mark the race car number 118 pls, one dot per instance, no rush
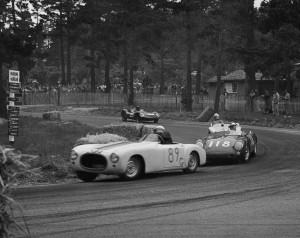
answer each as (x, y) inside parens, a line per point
(217, 144)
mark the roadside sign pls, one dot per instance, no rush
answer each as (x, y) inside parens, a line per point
(13, 132)
(13, 118)
(14, 99)
(14, 76)
(13, 109)
(13, 123)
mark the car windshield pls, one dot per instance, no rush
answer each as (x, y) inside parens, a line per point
(151, 138)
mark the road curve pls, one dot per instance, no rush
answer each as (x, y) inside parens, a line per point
(257, 199)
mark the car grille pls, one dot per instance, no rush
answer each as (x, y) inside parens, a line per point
(93, 162)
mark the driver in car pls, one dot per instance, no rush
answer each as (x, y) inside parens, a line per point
(166, 136)
(216, 119)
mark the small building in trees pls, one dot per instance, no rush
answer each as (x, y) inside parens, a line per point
(234, 83)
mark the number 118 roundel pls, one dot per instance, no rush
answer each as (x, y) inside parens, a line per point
(229, 141)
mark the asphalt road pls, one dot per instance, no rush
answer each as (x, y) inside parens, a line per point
(257, 199)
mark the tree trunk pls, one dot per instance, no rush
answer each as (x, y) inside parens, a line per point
(250, 80)
(107, 70)
(131, 89)
(219, 74)
(93, 74)
(62, 57)
(162, 69)
(199, 72)
(199, 58)
(3, 110)
(189, 99)
(69, 58)
(125, 79)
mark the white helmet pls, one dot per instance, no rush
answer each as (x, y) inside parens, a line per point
(232, 124)
(216, 116)
(159, 129)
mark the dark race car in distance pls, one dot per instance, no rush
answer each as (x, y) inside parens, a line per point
(223, 143)
(139, 115)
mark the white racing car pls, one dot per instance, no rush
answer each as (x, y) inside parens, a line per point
(129, 160)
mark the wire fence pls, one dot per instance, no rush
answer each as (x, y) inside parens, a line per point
(149, 101)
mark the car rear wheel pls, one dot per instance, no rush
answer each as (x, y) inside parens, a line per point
(124, 118)
(133, 169)
(193, 163)
(246, 156)
(253, 153)
(85, 176)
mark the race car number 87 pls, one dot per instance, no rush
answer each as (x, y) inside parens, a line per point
(217, 144)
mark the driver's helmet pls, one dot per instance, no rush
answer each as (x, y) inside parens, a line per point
(232, 126)
(216, 116)
(159, 129)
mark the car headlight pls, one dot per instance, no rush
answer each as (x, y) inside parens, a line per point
(199, 143)
(114, 158)
(239, 145)
(74, 155)
(142, 114)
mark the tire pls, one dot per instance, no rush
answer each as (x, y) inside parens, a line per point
(124, 117)
(193, 163)
(253, 153)
(85, 176)
(133, 169)
(246, 156)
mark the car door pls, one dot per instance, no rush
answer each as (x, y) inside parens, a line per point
(172, 156)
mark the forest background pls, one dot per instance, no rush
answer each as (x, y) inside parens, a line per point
(59, 43)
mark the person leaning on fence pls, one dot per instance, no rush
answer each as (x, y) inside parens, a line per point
(275, 103)
(286, 100)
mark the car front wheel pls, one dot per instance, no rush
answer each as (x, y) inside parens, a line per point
(85, 176)
(246, 156)
(253, 153)
(133, 169)
(193, 163)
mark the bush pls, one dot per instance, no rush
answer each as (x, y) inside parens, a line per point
(131, 131)
(116, 132)
(52, 116)
(99, 139)
(11, 167)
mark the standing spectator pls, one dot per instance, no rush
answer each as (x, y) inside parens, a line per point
(275, 103)
(257, 101)
(252, 100)
(266, 98)
(223, 100)
(286, 100)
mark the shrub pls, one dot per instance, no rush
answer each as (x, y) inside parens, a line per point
(116, 132)
(131, 131)
(11, 167)
(99, 139)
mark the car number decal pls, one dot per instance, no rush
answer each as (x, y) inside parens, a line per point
(217, 144)
(171, 156)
